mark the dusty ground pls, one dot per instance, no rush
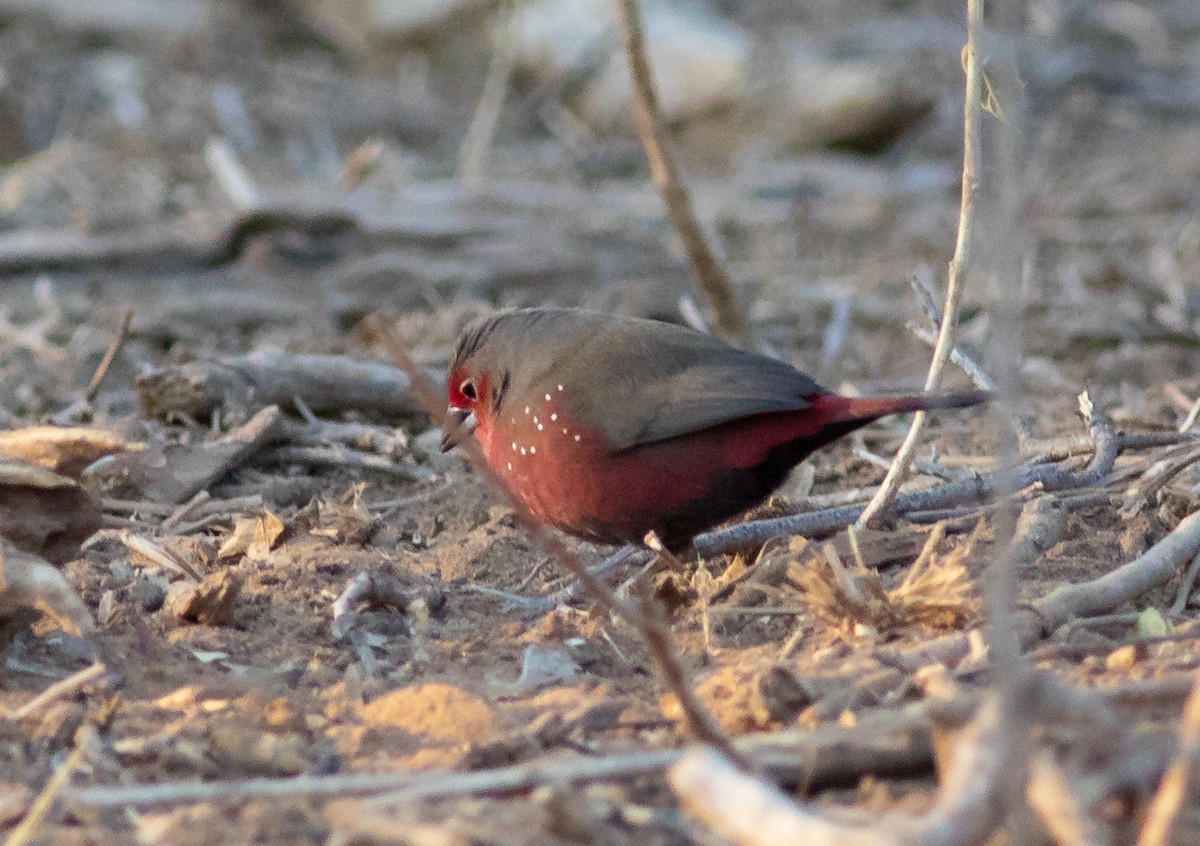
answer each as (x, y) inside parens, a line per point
(1108, 302)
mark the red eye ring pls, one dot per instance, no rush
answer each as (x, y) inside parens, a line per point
(467, 388)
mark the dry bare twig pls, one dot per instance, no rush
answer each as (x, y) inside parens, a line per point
(39, 811)
(960, 265)
(752, 812)
(495, 85)
(976, 490)
(59, 689)
(1164, 808)
(883, 743)
(97, 379)
(713, 279)
(1043, 616)
(249, 382)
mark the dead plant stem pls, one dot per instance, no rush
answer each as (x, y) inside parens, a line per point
(710, 274)
(960, 266)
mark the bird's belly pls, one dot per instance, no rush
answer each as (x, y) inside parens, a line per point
(572, 480)
(576, 483)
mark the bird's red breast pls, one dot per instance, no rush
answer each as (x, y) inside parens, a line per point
(609, 427)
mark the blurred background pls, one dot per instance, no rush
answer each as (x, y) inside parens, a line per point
(239, 171)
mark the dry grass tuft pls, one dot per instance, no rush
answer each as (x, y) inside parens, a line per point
(935, 594)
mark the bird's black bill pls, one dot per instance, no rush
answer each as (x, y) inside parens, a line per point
(457, 424)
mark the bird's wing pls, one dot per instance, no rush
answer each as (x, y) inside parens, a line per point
(650, 382)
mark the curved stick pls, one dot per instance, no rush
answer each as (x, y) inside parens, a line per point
(714, 281)
(960, 265)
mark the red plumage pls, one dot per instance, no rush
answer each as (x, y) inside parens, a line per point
(610, 427)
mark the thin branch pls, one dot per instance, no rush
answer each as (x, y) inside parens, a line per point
(883, 744)
(58, 690)
(1185, 587)
(1168, 801)
(714, 281)
(965, 363)
(97, 380)
(751, 812)
(39, 811)
(960, 266)
(487, 112)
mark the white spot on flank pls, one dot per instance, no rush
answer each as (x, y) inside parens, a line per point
(576, 437)
(533, 450)
(522, 450)
(526, 409)
(560, 387)
(547, 397)
(510, 465)
(564, 430)
(535, 420)
(540, 427)
(514, 446)
(553, 417)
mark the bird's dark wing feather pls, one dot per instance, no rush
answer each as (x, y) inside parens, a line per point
(648, 381)
(637, 381)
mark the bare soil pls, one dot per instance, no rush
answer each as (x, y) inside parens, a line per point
(1107, 302)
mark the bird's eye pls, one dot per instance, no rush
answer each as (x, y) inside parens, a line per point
(467, 388)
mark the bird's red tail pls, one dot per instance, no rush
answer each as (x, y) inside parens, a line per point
(872, 408)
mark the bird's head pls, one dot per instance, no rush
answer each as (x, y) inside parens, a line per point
(506, 353)
(477, 381)
(467, 389)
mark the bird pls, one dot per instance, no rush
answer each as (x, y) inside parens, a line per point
(610, 427)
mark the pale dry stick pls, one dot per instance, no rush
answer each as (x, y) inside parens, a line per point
(73, 412)
(230, 174)
(925, 558)
(1167, 803)
(1161, 474)
(1053, 798)
(751, 812)
(836, 333)
(1057, 449)
(27, 830)
(1155, 566)
(481, 783)
(964, 362)
(137, 506)
(652, 628)
(491, 101)
(58, 690)
(97, 379)
(960, 265)
(165, 558)
(920, 281)
(337, 455)
(1190, 420)
(1185, 587)
(711, 275)
(888, 743)
(536, 605)
(185, 511)
(227, 511)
